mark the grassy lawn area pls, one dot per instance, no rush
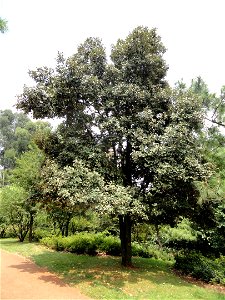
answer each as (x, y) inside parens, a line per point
(102, 277)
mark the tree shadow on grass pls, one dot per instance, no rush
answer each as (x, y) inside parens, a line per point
(149, 277)
(107, 271)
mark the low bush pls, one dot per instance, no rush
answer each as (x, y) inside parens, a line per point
(140, 250)
(201, 267)
(39, 234)
(85, 243)
(81, 243)
(164, 254)
(110, 245)
(51, 242)
(89, 243)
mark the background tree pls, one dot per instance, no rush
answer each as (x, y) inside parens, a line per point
(210, 221)
(13, 208)
(16, 133)
(26, 175)
(3, 25)
(214, 105)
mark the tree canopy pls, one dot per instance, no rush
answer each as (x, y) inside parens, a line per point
(17, 132)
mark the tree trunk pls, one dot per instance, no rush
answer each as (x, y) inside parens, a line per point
(31, 227)
(125, 221)
(67, 226)
(62, 229)
(125, 238)
(158, 236)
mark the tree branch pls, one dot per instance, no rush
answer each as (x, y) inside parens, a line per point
(215, 122)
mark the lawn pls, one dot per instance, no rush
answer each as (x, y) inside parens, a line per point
(102, 277)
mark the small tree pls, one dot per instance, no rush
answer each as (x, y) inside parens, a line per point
(26, 175)
(13, 207)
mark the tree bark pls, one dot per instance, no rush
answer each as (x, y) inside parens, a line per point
(125, 238)
(158, 236)
(215, 122)
(125, 221)
(67, 226)
(31, 227)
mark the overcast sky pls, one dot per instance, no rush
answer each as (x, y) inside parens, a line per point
(191, 30)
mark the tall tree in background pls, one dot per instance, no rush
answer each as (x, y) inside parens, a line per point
(123, 120)
(213, 140)
(214, 105)
(13, 210)
(3, 25)
(26, 175)
(16, 133)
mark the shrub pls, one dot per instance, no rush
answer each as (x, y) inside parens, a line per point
(201, 267)
(80, 244)
(140, 250)
(84, 243)
(50, 242)
(164, 253)
(89, 243)
(39, 234)
(110, 245)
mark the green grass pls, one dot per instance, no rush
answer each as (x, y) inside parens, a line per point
(102, 277)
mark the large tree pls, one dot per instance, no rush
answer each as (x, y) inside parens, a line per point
(122, 119)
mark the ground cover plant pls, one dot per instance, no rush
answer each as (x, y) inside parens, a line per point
(102, 277)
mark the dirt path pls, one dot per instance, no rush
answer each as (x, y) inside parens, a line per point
(22, 279)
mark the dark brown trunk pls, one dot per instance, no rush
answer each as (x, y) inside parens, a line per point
(125, 238)
(125, 221)
(62, 228)
(158, 235)
(31, 227)
(67, 227)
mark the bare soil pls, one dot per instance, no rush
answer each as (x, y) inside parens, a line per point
(22, 279)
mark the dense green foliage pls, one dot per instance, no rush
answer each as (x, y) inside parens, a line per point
(14, 212)
(200, 267)
(100, 243)
(3, 25)
(85, 243)
(21, 161)
(17, 133)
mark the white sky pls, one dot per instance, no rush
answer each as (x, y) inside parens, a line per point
(191, 30)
